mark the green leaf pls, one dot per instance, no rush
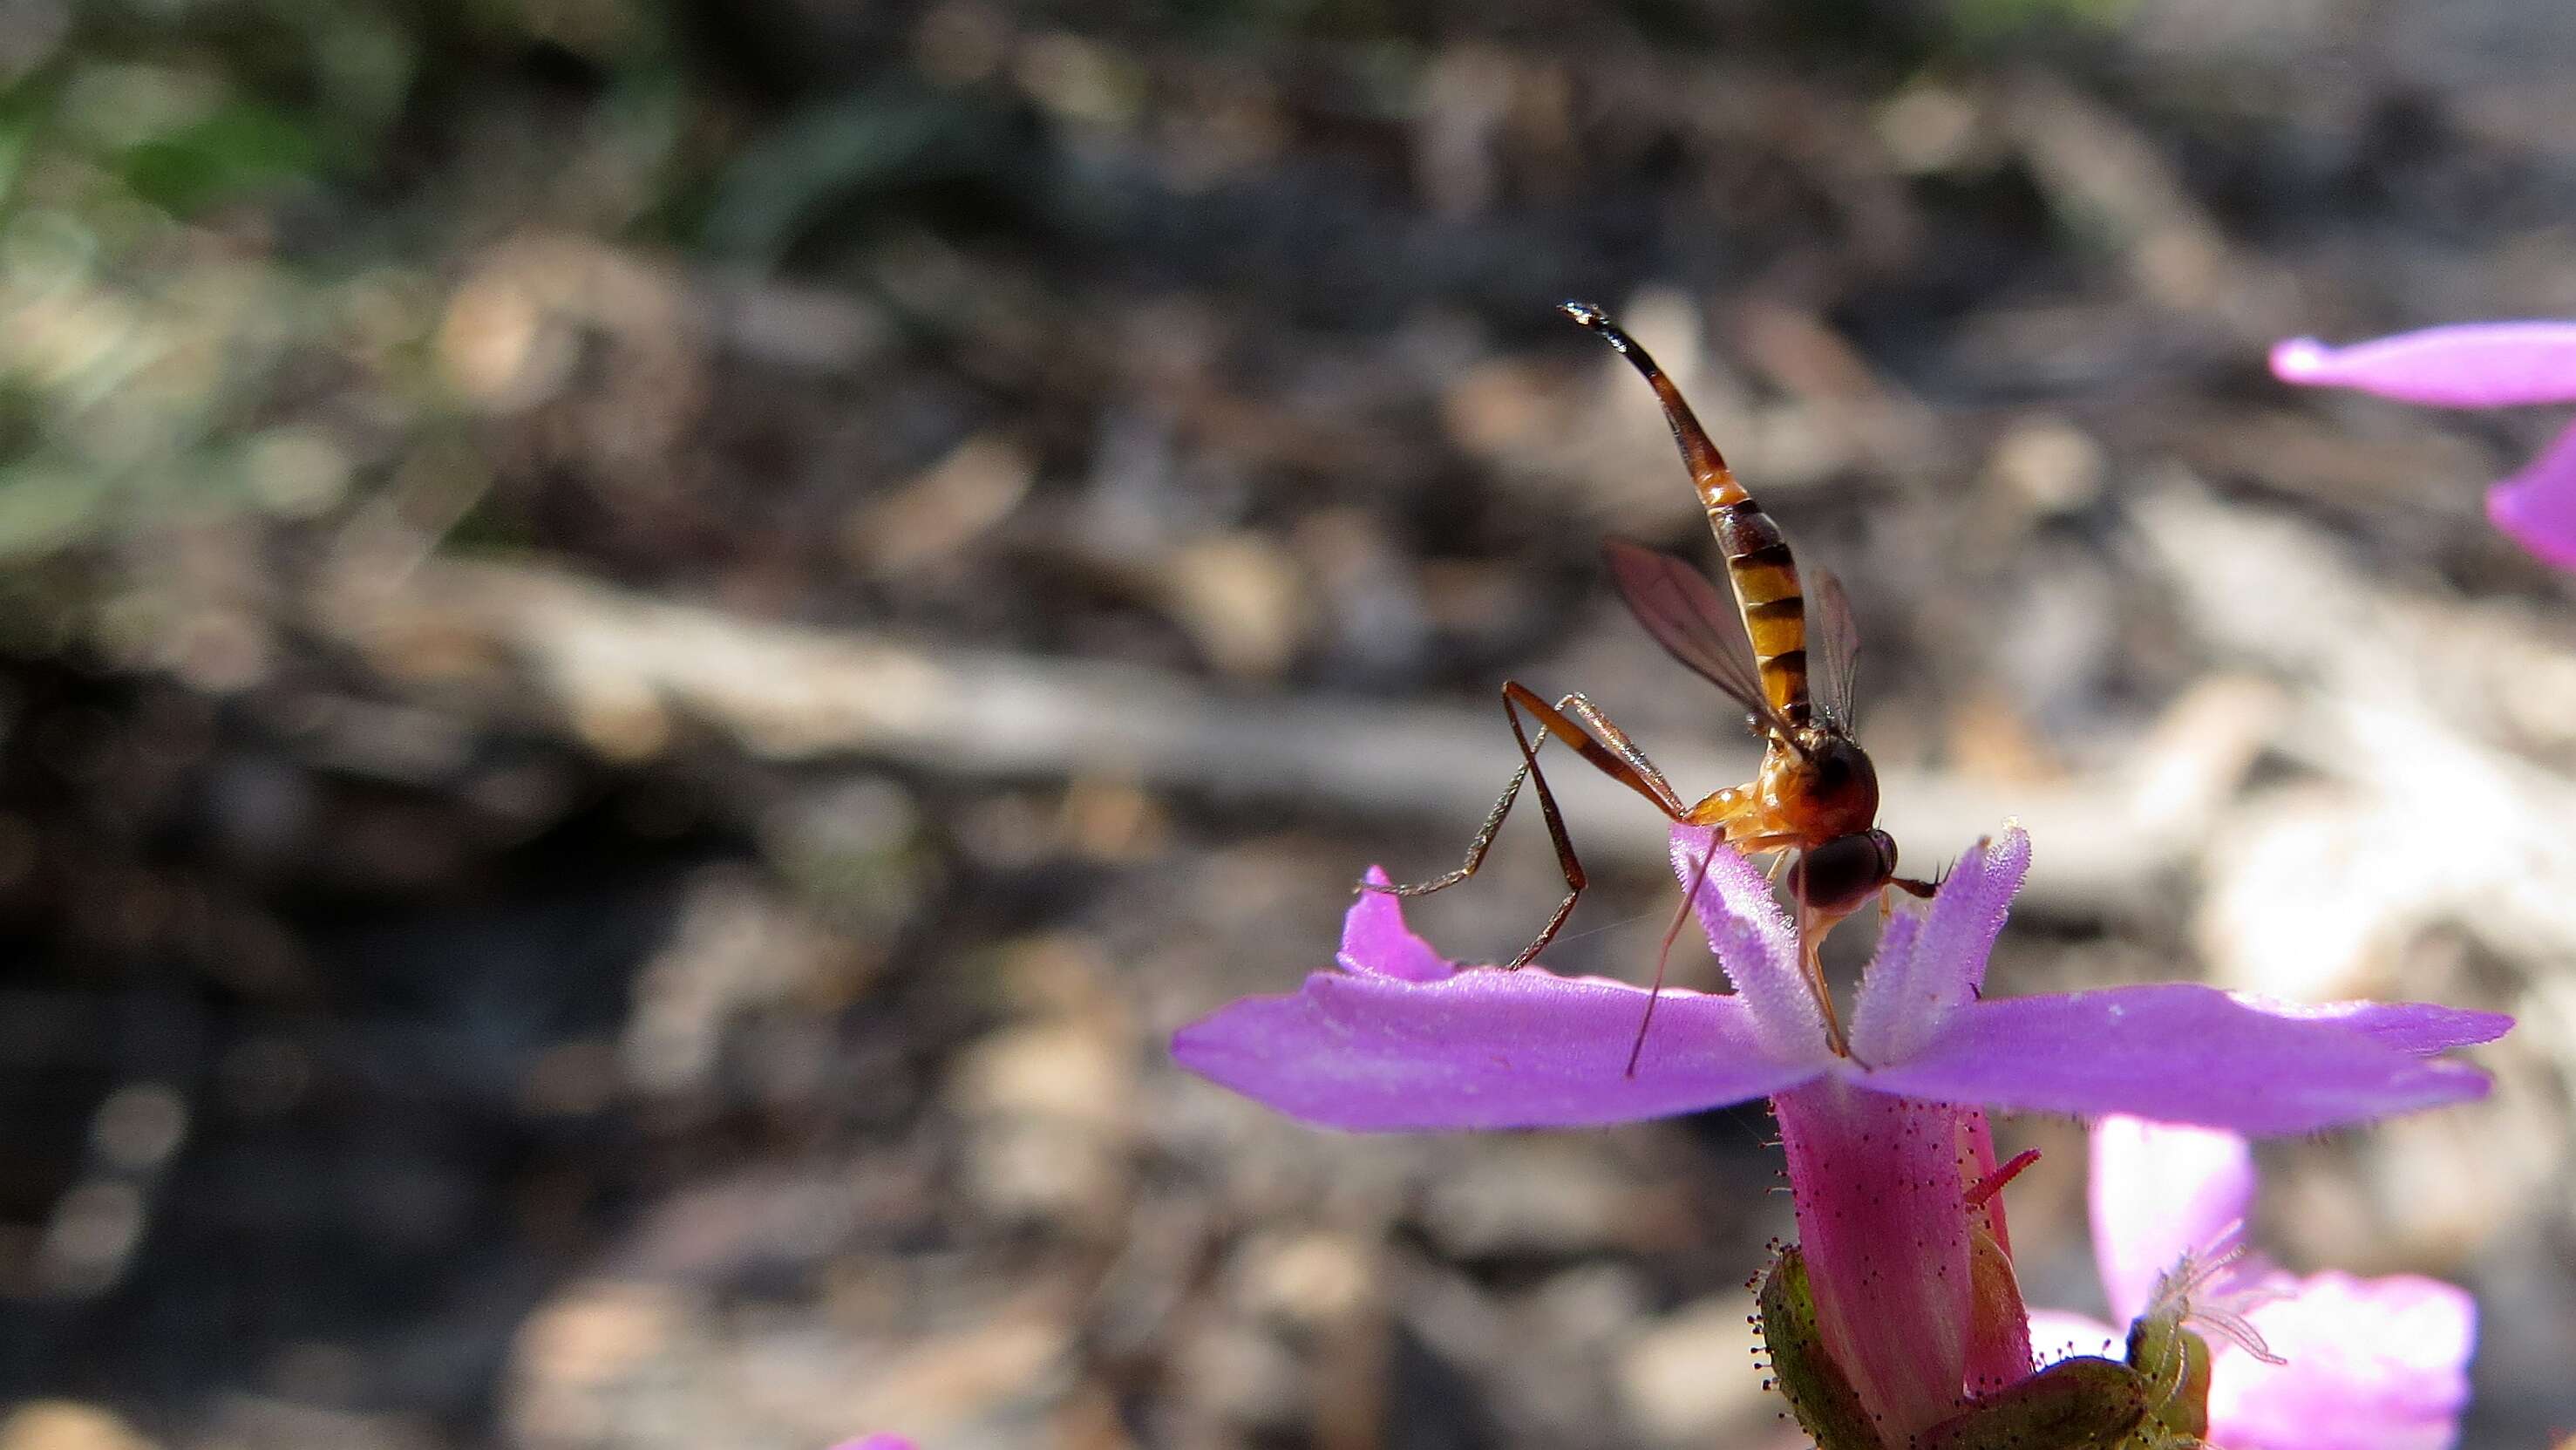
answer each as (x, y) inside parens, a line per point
(241, 148)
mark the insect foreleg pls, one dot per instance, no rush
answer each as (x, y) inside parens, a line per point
(1664, 954)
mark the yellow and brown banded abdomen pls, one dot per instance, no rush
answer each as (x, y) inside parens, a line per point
(1765, 577)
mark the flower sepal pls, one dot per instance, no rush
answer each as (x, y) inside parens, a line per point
(2152, 1402)
(2157, 1399)
(2084, 1403)
(2176, 1360)
(1998, 1323)
(1802, 1368)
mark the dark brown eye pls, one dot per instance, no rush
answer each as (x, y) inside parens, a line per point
(1839, 875)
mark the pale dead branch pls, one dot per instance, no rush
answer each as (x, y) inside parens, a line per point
(628, 674)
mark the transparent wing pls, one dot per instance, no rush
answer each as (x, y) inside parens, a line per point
(1692, 621)
(1837, 643)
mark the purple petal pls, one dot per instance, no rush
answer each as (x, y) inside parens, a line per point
(1754, 942)
(2178, 1052)
(2537, 507)
(1916, 979)
(2474, 365)
(1377, 943)
(1483, 1049)
(2160, 1192)
(2373, 1364)
(2417, 1028)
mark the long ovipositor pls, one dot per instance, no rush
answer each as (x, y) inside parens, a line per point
(1758, 563)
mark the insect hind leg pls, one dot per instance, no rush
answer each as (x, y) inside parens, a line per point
(1624, 763)
(1476, 848)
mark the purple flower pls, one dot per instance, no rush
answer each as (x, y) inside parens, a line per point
(2477, 365)
(1401, 1038)
(2362, 1364)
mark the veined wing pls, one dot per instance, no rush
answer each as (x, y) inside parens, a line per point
(1837, 646)
(1693, 622)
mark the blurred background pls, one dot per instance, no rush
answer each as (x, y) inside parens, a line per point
(647, 651)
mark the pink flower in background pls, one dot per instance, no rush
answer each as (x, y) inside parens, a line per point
(876, 1442)
(2365, 1364)
(2476, 365)
(1400, 1038)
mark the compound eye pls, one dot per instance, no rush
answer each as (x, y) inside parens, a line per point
(1839, 875)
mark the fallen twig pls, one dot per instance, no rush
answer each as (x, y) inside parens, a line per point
(626, 673)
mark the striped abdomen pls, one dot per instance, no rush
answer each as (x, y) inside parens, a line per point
(1757, 561)
(1766, 588)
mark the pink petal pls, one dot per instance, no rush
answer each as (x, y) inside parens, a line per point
(1376, 942)
(876, 1442)
(2178, 1052)
(2160, 1192)
(1754, 941)
(2473, 365)
(2373, 1364)
(1916, 980)
(1485, 1048)
(1885, 1233)
(2537, 507)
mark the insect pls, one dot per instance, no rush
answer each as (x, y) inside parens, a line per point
(1815, 800)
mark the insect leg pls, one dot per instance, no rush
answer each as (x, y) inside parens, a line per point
(1552, 720)
(1920, 890)
(1813, 926)
(1626, 749)
(1556, 836)
(1663, 954)
(1673, 929)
